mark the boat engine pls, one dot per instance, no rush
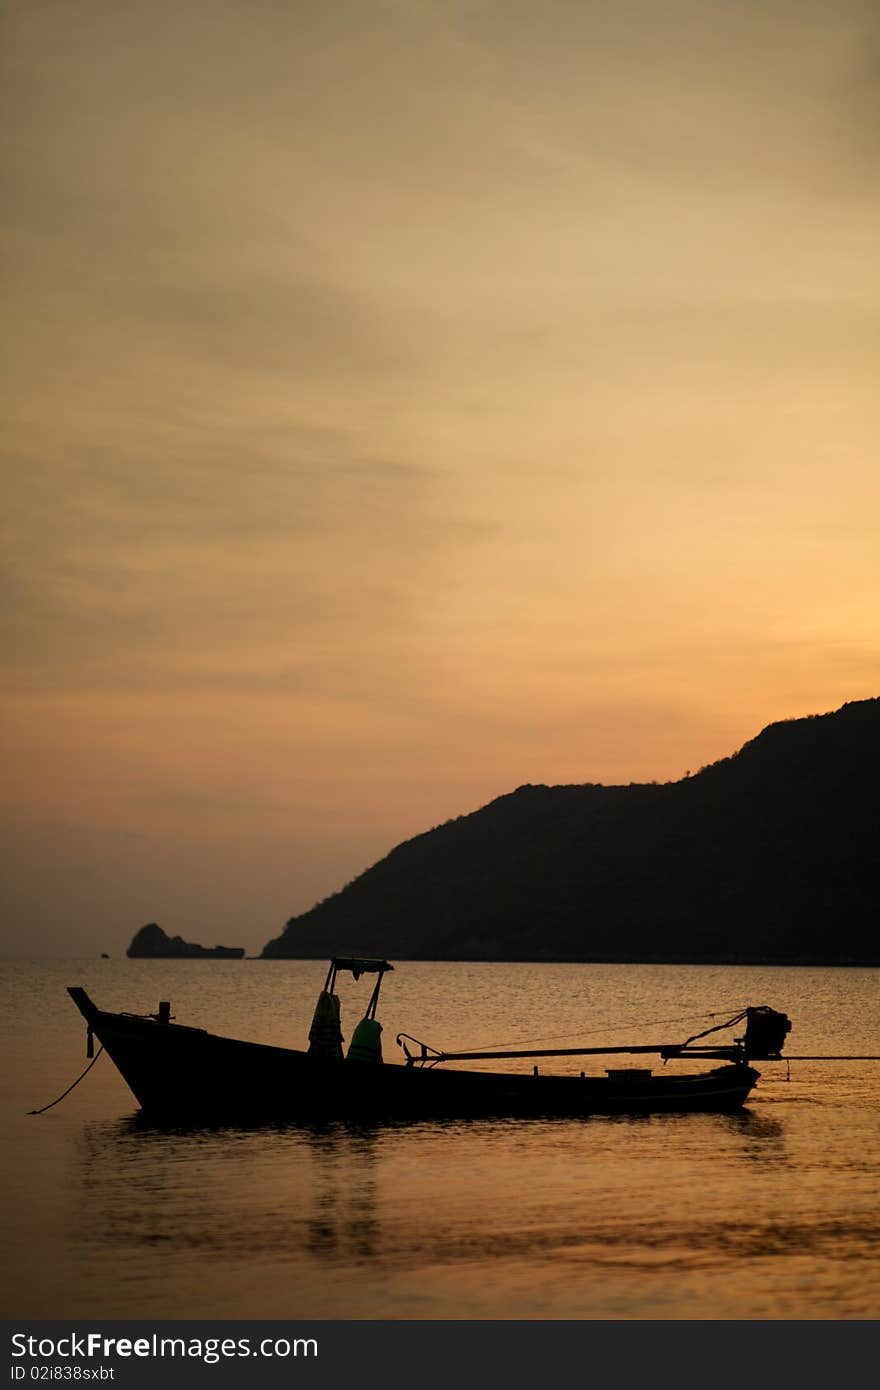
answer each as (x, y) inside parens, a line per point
(766, 1031)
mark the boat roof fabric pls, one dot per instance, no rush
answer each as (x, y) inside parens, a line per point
(361, 965)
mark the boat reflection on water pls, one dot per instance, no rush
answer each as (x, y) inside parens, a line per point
(763, 1137)
(346, 1192)
(271, 1189)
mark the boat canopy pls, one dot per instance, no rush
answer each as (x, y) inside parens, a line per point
(359, 965)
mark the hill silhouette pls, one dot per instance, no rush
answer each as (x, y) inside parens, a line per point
(152, 942)
(770, 855)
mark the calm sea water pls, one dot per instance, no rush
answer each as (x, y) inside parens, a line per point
(769, 1214)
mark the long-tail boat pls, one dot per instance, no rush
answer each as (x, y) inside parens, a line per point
(181, 1074)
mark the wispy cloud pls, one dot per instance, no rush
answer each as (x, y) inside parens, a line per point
(419, 398)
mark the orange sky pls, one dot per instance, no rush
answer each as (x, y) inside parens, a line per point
(408, 400)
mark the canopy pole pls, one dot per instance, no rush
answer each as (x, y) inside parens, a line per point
(374, 998)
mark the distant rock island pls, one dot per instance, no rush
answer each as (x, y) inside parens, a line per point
(152, 941)
(769, 856)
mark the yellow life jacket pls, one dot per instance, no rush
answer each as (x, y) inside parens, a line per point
(325, 1034)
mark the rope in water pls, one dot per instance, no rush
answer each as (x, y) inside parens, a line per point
(70, 1088)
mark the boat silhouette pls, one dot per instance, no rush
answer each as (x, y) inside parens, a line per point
(184, 1074)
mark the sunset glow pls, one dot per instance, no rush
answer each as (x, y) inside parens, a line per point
(408, 400)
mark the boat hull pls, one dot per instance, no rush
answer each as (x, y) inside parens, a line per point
(186, 1075)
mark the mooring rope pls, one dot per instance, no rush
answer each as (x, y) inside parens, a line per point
(70, 1088)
